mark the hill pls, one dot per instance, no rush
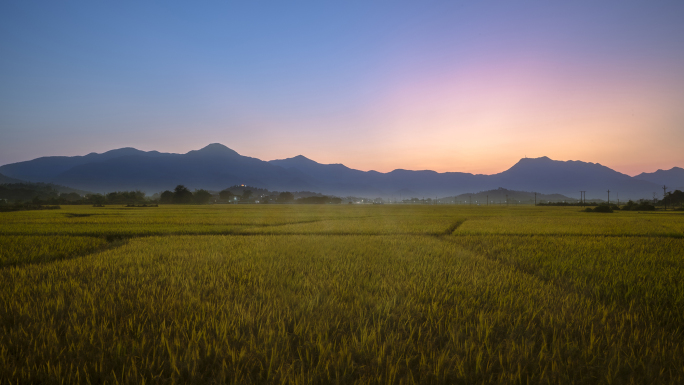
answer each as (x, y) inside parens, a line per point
(5, 179)
(502, 196)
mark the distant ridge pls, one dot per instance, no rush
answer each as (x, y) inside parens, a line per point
(5, 179)
(45, 169)
(673, 178)
(216, 166)
(503, 196)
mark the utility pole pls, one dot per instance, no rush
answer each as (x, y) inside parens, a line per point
(609, 197)
(664, 194)
(618, 198)
(654, 198)
(583, 195)
(535, 199)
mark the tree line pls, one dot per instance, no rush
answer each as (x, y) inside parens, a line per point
(181, 195)
(43, 194)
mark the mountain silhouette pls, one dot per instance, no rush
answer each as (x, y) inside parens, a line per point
(45, 169)
(569, 177)
(672, 178)
(213, 167)
(216, 167)
(543, 175)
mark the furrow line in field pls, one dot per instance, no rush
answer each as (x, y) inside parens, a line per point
(453, 227)
(240, 232)
(564, 286)
(554, 235)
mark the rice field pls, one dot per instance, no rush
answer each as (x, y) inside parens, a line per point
(321, 294)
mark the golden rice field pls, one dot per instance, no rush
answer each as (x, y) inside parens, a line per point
(297, 294)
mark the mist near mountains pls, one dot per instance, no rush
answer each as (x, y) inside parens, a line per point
(216, 167)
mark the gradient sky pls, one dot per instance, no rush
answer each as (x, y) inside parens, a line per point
(448, 86)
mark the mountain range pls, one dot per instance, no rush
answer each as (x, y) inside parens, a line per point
(216, 167)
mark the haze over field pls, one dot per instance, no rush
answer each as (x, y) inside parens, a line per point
(447, 86)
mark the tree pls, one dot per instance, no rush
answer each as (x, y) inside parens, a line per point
(673, 198)
(129, 197)
(226, 195)
(201, 196)
(166, 197)
(181, 194)
(246, 194)
(97, 199)
(114, 197)
(70, 197)
(285, 197)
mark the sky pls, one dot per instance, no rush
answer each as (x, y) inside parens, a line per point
(376, 85)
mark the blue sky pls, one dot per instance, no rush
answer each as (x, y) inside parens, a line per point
(449, 86)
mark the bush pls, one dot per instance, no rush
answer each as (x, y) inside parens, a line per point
(641, 206)
(319, 200)
(599, 209)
